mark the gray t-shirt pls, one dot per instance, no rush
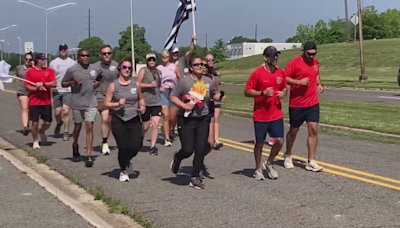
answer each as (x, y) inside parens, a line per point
(110, 73)
(151, 95)
(182, 64)
(84, 94)
(187, 84)
(21, 72)
(130, 92)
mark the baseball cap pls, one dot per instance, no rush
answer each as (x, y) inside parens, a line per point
(151, 55)
(62, 46)
(165, 53)
(175, 50)
(40, 56)
(271, 51)
(309, 45)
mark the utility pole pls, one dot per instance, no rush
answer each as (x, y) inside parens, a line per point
(347, 27)
(206, 42)
(255, 37)
(362, 77)
(89, 28)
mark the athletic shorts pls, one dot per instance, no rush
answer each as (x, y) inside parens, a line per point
(211, 109)
(88, 115)
(43, 112)
(164, 95)
(274, 129)
(297, 116)
(21, 94)
(150, 112)
(217, 104)
(60, 99)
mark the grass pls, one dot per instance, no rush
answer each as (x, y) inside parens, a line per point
(368, 116)
(339, 64)
(359, 136)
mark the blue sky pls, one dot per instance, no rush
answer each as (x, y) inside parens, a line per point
(218, 18)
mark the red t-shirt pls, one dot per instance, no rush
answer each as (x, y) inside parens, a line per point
(267, 108)
(303, 96)
(40, 97)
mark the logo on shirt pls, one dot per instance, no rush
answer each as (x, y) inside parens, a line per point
(316, 68)
(93, 73)
(112, 68)
(133, 90)
(207, 87)
(46, 74)
(278, 80)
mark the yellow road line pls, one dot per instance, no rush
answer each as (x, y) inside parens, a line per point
(9, 91)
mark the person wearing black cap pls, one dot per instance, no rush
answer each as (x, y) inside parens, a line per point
(302, 74)
(40, 97)
(62, 97)
(267, 85)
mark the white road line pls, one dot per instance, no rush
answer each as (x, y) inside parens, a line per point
(385, 97)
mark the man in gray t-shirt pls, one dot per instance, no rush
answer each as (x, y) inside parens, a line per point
(109, 72)
(83, 80)
(182, 61)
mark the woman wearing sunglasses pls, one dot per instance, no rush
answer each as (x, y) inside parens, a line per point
(124, 97)
(22, 93)
(192, 96)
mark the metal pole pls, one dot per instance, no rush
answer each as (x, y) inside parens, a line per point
(132, 40)
(346, 11)
(20, 53)
(46, 34)
(2, 49)
(362, 76)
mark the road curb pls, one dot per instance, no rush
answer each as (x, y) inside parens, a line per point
(321, 125)
(92, 218)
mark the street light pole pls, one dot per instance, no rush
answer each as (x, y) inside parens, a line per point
(362, 77)
(20, 53)
(132, 40)
(48, 11)
(2, 48)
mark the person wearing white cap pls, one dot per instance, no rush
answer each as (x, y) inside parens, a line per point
(182, 61)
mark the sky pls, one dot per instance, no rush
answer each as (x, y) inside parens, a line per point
(219, 19)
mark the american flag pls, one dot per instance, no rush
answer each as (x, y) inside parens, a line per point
(182, 14)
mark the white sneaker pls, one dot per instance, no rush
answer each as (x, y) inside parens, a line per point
(123, 176)
(43, 137)
(313, 166)
(288, 162)
(258, 175)
(35, 145)
(105, 149)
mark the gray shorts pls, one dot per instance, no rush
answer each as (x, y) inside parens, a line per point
(60, 99)
(88, 115)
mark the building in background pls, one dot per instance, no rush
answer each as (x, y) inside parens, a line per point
(240, 50)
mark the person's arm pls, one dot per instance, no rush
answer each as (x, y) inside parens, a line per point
(189, 53)
(142, 105)
(290, 73)
(177, 72)
(68, 79)
(175, 95)
(52, 80)
(109, 95)
(250, 88)
(29, 86)
(140, 80)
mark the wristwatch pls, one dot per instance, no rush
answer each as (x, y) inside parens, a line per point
(262, 93)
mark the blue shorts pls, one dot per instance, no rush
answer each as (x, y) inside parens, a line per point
(164, 96)
(274, 128)
(297, 116)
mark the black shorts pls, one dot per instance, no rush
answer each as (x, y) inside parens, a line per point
(150, 112)
(297, 116)
(273, 128)
(43, 112)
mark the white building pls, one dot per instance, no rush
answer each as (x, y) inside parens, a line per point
(240, 50)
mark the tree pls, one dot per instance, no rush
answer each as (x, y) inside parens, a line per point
(218, 51)
(241, 39)
(142, 47)
(266, 40)
(92, 45)
(197, 51)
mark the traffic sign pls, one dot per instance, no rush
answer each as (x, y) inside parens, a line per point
(354, 20)
(29, 47)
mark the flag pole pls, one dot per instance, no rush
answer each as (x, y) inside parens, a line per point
(193, 19)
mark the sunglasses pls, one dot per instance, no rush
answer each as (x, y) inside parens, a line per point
(198, 64)
(127, 68)
(151, 60)
(210, 60)
(85, 56)
(107, 53)
(26, 59)
(176, 53)
(311, 54)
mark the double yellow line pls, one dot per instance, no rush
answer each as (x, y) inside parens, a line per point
(328, 168)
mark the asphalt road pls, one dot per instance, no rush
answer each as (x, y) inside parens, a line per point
(359, 188)
(380, 97)
(23, 203)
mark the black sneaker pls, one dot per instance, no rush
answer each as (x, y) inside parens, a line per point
(57, 129)
(75, 152)
(196, 183)
(175, 165)
(154, 151)
(88, 161)
(25, 132)
(204, 173)
(218, 145)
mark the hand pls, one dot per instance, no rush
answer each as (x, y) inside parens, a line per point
(223, 99)
(320, 88)
(162, 89)
(39, 84)
(221, 83)
(96, 84)
(77, 81)
(189, 106)
(122, 101)
(194, 37)
(153, 84)
(268, 91)
(142, 109)
(280, 94)
(304, 81)
(42, 89)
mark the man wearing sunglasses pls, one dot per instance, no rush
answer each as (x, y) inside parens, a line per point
(62, 96)
(302, 74)
(109, 72)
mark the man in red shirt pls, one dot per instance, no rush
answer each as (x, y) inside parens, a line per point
(302, 74)
(267, 85)
(40, 97)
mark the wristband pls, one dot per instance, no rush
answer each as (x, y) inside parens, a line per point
(262, 93)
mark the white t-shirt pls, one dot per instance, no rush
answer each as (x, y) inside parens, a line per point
(60, 67)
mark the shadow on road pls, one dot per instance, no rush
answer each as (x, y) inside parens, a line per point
(182, 178)
(115, 174)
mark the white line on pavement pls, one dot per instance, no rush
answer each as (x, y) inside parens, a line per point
(385, 97)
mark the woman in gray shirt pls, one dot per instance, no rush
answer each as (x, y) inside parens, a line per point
(125, 98)
(22, 93)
